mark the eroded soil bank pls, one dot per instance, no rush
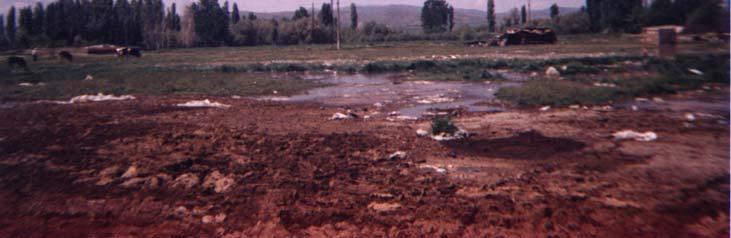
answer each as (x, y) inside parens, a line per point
(148, 168)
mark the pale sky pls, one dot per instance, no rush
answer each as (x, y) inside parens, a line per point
(290, 5)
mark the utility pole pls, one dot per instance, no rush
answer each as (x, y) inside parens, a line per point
(337, 24)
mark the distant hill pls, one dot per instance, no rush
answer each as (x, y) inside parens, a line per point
(407, 17)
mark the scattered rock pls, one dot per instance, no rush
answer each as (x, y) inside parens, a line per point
(435, 168)
(208, 219)
(632, 135)
(690, 117)
(383, 195)
(544, 109)
(88, 77)
(421, 132)
(397, 155)
(616, 203)
(218, 182)
(133, 182)
(384, 207)
(575, 107)
(130, 173)
(186, 181)
(180, 212)
(552, 72)
(658, 100)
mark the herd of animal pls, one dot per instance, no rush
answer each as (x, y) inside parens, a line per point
(19, 62)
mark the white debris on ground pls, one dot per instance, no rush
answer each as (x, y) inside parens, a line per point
(603, 108)
(378, 105)
(605, 85)
(236, 97)
(552, 72)
(435, 168)
(440, 98)
(458, 135)
(544, 109)
(99, 98)
(88, 77)
(575, 107)
(641, 99)
(203, 103)
(696, 72)
(658, 100)
(421, 132)
(634, 108)
(690, 117)
(397, 155)
(633, 135)
(31, 84)
(340, 116)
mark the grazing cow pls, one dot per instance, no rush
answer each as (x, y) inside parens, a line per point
(17, 61)
(129, 51)
(66, 55)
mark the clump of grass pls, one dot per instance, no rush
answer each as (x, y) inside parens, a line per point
(443, 125)
(557, 93)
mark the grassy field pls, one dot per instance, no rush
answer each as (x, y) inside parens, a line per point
(261, 70)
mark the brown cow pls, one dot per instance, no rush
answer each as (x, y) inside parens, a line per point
(66, 55)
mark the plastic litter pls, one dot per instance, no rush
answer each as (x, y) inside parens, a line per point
(696, 72)
(340, 116)
(435, 168)
(633, 135)
(100, 98)
(459, 134)
(203, 103)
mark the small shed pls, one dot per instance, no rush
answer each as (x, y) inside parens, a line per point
(661, 35)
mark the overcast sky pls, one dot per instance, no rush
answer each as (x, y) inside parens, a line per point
(290, 5)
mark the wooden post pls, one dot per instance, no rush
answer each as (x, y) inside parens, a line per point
(337, 24)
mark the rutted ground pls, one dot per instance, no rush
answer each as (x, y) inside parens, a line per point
(148, 168)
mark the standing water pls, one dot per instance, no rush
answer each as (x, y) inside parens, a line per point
(412, 98)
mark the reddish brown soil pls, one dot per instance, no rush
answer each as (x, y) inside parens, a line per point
(294, 173)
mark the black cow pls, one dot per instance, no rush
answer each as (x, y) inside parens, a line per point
(66, 55)
(17, 61)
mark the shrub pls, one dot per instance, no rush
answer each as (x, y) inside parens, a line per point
(444, 125)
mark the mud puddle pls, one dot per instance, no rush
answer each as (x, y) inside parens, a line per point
(410, 98)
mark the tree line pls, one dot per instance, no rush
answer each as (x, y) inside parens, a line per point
(148, 23)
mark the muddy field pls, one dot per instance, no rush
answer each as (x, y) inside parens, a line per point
(147, 168)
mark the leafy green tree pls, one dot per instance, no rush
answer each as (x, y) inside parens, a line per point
(252, 16)
(661, 13)
(491, 15)
(326, 15)
(554, 11)
(10, 27)
(593, 9)
(25, 22)
(39, 19)
(435, 16)
(353, 17)
(235, 17)
(3, 41)
(300, 13)
(523, 15)
(450, 18)
(707, 17)
(621, 15)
